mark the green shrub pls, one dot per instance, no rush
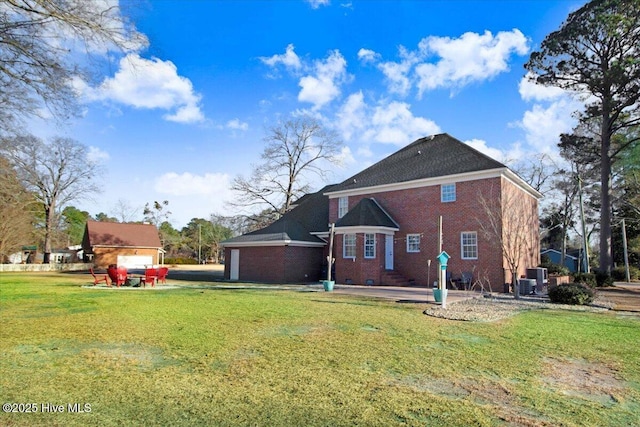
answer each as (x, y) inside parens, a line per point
(558, 269)
(571, 293)
(603, 279)
(552, 267)
(619, 274)
(588, 279)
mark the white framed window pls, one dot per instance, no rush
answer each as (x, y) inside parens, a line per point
(469, 244)
(369, 245)
(349, 246)
(343, 206)
(413, 243)
(448, 193)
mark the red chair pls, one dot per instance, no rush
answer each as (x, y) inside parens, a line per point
(112, 271)
(162, 274)
(97, 279)
(121, 274)
(149, 277)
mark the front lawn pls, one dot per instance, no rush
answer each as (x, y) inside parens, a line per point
(285, 358)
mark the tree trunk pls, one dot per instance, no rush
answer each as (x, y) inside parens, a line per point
(605, 198)
(48, 235)
(515, 284)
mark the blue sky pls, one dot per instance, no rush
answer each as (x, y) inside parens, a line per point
(179, 118)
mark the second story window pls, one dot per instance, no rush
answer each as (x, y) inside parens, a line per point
(343, 206)
(448, 193)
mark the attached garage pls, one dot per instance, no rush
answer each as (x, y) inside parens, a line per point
(291, 250)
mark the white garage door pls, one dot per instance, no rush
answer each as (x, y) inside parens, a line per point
(135, 261)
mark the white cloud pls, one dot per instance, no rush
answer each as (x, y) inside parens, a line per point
(148, 84)
(367, 55)
(323, 87)
(482, 147)
(236, 124)
(544, 124)
(96, 155)
(352, 116)
(386, 123)
(345, 158)
(289, 59)
(187, 114)
(315, 4)
(188, 184)
(469, 58)
(398, 72)
(530, 91)
(551, 115)
(394, 123)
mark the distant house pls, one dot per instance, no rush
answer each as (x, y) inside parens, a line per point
(386, 222)
(26, 256)
(573, 259)
(124, 244)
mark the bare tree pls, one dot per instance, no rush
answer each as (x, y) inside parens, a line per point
(510, 221)
(16, 207)
(39, 46)
(124, 211)
(538, 171)
(295, 150)
(56, 173)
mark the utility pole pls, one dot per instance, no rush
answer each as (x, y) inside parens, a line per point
(199, 243)
(585, 243)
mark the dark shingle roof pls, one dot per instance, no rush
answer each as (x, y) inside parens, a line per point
(430, 157)
(367, 213)
(122, 234)
(311, 214)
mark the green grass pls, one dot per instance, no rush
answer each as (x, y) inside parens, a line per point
(286, 358)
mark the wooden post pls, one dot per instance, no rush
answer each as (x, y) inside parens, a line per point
(330, 257)
(440, 280)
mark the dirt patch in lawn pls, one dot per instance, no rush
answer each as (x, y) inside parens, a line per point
(574, 378)
(488, 393)
(586, 380)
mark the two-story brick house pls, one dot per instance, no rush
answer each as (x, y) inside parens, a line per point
(387, 222)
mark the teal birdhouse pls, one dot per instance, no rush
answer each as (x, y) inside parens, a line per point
(442, 259)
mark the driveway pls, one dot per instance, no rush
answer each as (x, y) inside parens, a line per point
(625, 296)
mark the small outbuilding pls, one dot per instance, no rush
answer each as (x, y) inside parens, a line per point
(131, 245)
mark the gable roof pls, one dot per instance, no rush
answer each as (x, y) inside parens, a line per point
(367, 213)
(429, 157)
(309, 215)
(99, 233)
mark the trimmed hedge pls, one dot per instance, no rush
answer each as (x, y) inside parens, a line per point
(571, 293)
(180, 260)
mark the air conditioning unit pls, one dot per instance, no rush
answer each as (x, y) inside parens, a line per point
(541, 277)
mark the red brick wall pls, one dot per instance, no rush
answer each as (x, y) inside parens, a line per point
(277, 264)
(417, 212)
(362, 269)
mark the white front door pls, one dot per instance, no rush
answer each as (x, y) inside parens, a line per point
(234, 268)
(388, 251)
